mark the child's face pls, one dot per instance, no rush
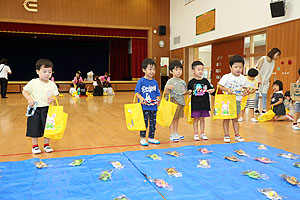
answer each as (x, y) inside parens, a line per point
(44, 73)
(237, 68)
(176, 72)
(251, 78)
(288, 98)
(198, 71)
(77, 74)
(275, 88)
(149, 71)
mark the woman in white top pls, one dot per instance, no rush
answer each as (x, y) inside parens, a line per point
(265, 66)
(4, 70)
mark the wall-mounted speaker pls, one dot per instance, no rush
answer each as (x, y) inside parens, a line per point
(162, 30)
(277, 8)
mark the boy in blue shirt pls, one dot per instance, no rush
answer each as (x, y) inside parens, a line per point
(148, 94)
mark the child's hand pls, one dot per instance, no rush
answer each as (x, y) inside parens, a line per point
(170, 87)
(210, 91)
(142, 100)
(30, 103)
(190, 92)
(184, 92)
(50, 100)
(229, 91)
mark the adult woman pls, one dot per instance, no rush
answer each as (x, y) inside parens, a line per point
(265, 66)
(4, 70)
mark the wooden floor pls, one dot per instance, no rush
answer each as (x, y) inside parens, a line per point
(97, 126)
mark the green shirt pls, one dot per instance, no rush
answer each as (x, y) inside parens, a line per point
(179, 88)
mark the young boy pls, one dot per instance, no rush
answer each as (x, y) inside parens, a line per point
(40, 91)
(253, 86)
(176, 87)
(297, 110)
(147, 91)
(234, 83)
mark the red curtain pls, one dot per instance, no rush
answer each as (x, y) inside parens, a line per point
(119, 68)
(139, 53)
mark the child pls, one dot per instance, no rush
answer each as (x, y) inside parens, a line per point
(77, 79)
(200, 88)
(234, 83)
(297, 110)
(105, 80)
(98, 88)
(289, 104)
(81, 90)
(72, 89)
(176, 87)
(41, 91)
(253, 86)
(147, 92)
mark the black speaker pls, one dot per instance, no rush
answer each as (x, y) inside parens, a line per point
(162, 30)
(277, 8)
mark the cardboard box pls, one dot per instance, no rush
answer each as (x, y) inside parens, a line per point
(295, 91)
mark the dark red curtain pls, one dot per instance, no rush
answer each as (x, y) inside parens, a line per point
(119, 68)
(139, 53)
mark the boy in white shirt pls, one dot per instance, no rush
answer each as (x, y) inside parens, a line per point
(40, 91)
(234, 83)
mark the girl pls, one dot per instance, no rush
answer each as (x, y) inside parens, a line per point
(277, 101)
(289, 105)
(77, 79)
(199, 88)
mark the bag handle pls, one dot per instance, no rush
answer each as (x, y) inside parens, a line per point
(164, 95)
(55, 101)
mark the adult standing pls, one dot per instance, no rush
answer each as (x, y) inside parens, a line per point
(265, 66)
(4, 70)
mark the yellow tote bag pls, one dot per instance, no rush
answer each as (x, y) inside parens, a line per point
(134, 116)
(188, 109)
(166, 111)
(267, 116)
(244, 102)
(225, 106)
(56, 122)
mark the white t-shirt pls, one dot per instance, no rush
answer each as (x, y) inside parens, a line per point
(234, 83)
(5, 69)
(40, 91)
(72, 90)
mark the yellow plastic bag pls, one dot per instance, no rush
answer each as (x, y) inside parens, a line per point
(188, 109)
(166, 112)
(266, 116)
(56, 122)
(134, 116)
(225, 106)
(244, 102)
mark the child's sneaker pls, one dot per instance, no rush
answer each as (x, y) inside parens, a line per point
(290, 117)
(263, 112)
(174, 138)
(196, 137)
(256, 112)
(295, 127)
(240, 119)
(203, 136)
(181, 137)
(153, 141)
(227, 139)
(36, 150)
(143, 142)
(239, 138)
(48, 149)
(254, 120)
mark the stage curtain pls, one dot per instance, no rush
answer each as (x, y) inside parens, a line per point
(139, 53)
(119, 68)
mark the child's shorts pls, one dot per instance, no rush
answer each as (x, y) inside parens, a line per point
(297, 107)
(250, 103)
(238, 107)
(179, 111)
(200, 113)
(36, 123)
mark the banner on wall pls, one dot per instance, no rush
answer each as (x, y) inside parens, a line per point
(206, 22)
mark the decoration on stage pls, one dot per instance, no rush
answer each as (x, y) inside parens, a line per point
(121, 197)
(233, 159)
(264, 160)
(105, 175)
(288, 155)
(117, 164)
(154, 157)
(290, 179)
(255, 175)
(40, 164)
(31, 5)
(173, 172)
(240, 152)
(203, 164)
(174, 153)
(262, 147)
(76, 162)
(162, 184)
(204, 151)
(297, 164)
(270, 194)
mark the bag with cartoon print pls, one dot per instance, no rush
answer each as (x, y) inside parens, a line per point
(225, 106)
(56, 122)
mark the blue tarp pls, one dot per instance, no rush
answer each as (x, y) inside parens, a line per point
(22, 180)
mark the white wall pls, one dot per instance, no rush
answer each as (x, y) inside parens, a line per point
(232, 17)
